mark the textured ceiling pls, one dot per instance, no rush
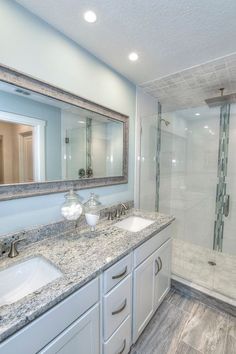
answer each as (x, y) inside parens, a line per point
(168, 35)
(190, 88)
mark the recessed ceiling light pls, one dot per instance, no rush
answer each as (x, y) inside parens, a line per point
(206, 126)
(90, 16)
(197, 114)
(133, 56)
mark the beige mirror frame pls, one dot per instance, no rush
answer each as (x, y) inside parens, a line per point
(23, 190)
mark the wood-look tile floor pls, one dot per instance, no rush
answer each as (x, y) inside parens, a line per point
(184, 325)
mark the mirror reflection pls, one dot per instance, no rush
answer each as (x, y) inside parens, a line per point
(44, 139)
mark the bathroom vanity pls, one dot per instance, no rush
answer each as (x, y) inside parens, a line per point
(110, 287)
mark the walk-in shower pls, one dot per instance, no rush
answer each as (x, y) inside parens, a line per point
(188, 169)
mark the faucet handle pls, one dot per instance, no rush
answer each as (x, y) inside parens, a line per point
(13, 250)
(109, 215)
(123, 209)
(117, 213)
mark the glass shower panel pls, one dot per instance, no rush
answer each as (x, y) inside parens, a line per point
(185, 186)
(189, 153)
(148, 166)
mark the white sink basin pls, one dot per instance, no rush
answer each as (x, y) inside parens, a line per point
(134, 223)
(24, 278)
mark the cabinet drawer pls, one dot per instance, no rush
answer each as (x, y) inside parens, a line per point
(120, 341)
(55, 321)
(146, 249)
(116, 273)
(117, 306)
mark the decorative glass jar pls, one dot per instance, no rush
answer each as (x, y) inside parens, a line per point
(72, 208)
(92, 211)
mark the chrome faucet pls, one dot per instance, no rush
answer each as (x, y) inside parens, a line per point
(118, 213)
(123, 209)
(13, 249)
(110, 215)
(120, 210)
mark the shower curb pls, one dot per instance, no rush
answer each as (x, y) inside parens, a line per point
(208, 300)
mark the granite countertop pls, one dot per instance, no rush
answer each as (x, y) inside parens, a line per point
(80, 257)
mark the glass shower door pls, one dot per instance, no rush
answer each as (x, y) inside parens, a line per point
(188, 178)
(197, 171)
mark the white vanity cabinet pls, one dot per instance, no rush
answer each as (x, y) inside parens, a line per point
(81, 337)
(151, 278)
(162, 272)
(109, 313)
(117, 307)
(143, 299)
(71, 327)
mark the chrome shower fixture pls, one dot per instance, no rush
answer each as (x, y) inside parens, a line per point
(165, 121)
(222, 99)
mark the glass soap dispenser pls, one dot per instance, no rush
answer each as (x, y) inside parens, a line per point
(92, 211)
(72, 208)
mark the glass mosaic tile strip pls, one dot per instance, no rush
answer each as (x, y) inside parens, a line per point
(222, 174)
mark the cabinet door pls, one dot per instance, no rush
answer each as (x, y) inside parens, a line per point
(143, 296)
(82, 337)
(162, 272)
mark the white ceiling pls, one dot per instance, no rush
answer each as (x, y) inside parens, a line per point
(168, 35)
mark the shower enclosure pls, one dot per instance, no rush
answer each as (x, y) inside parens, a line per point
(188, 169)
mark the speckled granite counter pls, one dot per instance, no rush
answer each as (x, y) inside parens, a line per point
(80, 258)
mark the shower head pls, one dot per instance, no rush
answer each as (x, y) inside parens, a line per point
(165, 121)
(220, 100)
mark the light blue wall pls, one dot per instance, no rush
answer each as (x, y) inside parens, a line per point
(33, 47)
(51, 115)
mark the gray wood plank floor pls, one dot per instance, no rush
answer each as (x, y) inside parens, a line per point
(183, 325)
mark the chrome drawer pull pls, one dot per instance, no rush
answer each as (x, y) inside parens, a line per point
(120, 309)
(157, 267)
(121, 274)
(123, 348)
(159, 259)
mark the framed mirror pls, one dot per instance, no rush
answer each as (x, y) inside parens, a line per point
(52, 140)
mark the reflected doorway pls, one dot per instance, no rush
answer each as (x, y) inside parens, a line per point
(26, 157)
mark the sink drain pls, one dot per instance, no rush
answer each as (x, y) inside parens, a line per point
(211, 263)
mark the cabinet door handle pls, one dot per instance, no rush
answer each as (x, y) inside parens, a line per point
(123, 347)
(121, 274)
(159, 259)
(123, 306)
(157, 267)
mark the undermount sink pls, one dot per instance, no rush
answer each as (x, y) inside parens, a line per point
(134, 223)
(24, 278)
